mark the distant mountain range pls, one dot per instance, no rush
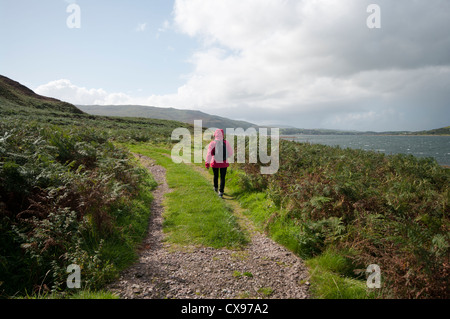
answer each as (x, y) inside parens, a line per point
(15, 97)
(297, 131)
(438, 131)
(185, 116)
(188, 116)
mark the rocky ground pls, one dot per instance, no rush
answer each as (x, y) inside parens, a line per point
(263, 269)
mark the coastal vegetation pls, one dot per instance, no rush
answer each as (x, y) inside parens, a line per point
(69, 193)
(72, 192)
(358, 208)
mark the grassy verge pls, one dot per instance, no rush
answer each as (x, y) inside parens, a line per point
(131, 217)
(331, 273)
(68, 196)
(84, 294)
(103, 256)
(332, 277)
(392, 211)
(194, 213)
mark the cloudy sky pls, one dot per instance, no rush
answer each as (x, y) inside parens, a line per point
(304, 63)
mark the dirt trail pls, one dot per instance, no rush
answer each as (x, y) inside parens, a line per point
(263, 269)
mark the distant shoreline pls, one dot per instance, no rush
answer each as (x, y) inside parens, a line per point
(313, 138)
(403, 135)
(444, 131)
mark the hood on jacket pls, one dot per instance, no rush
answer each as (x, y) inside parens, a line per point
(219, 134)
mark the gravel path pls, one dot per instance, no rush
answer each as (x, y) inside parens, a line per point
(263, 269)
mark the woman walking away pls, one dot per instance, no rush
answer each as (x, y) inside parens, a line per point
(219, 151)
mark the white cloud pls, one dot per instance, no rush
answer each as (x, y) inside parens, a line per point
(291, 58)
(308, 63)
(66, 91)
(165, 27)
(141, 27)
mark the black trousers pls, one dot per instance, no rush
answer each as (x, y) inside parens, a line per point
(223, 174)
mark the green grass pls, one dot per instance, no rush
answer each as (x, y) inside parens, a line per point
(68, 196)
(390, 210)
(194, 215)
(132, 219)
(79, 294)
(86, 294)
(331, 278)
(238, 274)
(266, 291)
(331, 273)
(114, 252)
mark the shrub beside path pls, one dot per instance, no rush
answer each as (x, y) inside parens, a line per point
(261, 269)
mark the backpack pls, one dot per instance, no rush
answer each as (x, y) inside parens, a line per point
(223, 153)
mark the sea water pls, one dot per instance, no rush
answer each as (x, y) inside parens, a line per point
(437, 147)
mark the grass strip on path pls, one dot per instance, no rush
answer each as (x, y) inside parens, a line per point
(194, 214)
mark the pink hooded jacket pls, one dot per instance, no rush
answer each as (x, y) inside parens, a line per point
(210, 160)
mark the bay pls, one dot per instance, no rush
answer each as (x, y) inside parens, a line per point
(437, 147)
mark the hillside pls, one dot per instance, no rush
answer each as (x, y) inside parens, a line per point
(297, 131)
(439, 131)
(68, 191)
(19, 104)
(13, 95)
(185, 116)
